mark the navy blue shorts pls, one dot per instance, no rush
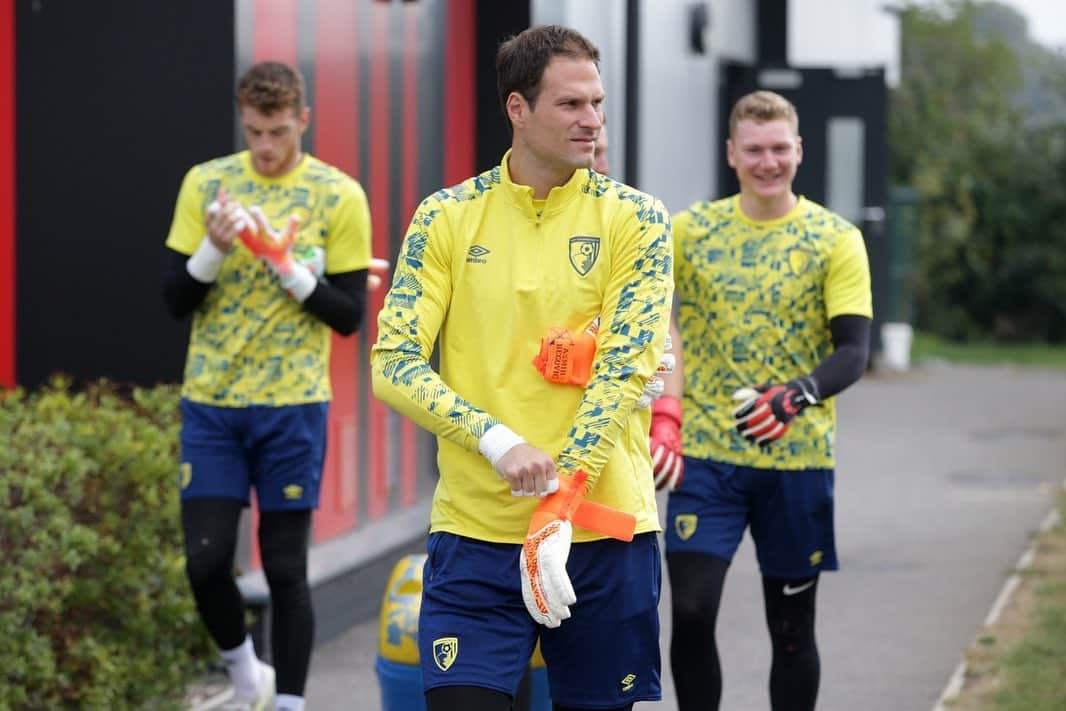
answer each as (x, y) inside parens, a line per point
(474, 630)
(279, 450)
(790, 514)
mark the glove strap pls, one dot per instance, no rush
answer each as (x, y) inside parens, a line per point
(808, 390)
(603, 519)
(569, 504)
(667, 406)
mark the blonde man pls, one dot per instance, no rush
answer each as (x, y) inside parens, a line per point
(773, 320)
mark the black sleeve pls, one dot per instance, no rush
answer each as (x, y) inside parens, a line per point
(340, 302)
(181, 292)
(851, 350)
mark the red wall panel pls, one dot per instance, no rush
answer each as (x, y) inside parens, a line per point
(336, 118)
(7, 193)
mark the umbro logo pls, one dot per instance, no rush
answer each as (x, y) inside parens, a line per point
(476, 255)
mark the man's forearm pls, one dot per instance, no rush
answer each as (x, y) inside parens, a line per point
(340, 302)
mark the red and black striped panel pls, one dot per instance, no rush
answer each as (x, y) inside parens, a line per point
(391, 90)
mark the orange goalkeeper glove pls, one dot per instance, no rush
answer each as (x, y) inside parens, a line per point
(275, 249)
(546, 588)
(566, 359)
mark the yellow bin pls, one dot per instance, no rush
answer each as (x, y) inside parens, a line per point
(397, 665)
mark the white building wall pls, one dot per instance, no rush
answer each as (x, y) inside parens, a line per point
(679, 148)
(678, 121)
(604, 23)
(845, 34)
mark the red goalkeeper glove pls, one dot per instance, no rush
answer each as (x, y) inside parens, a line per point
(765, 412)
(664, 441)
(546, 588)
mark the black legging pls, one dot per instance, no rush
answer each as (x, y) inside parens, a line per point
(696, 582)
(210, 527)
(464, 698)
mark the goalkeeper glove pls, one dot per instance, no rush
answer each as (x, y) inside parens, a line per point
(655, 387)
(275, 249)
(566, 359)
(664, 441)
(765, 412)
(546, 588)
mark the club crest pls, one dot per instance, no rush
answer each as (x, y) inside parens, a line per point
(799, 261)
(685, 525)
(445, 650)
(583, 253)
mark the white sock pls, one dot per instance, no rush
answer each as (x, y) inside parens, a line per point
(243, 668)
(288, 702)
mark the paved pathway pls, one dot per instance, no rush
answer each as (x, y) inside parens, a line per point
(943, 473)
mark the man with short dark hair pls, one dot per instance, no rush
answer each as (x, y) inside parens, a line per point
(266, 285)
(773, 320)
(548, 286)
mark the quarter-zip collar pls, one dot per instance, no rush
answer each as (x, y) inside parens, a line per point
(558, 198)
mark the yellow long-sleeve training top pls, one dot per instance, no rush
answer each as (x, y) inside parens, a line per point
(488, 270)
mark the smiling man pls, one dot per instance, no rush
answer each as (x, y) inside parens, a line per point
(509, 271)
(774, 314)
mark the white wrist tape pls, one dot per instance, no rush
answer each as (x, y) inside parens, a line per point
(299, 282)
(206, 262)
(496, 442)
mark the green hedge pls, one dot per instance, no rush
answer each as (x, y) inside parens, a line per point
(95, 610)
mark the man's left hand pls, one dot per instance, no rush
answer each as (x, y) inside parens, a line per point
(655, 387)
(275, 249)
(766, 411)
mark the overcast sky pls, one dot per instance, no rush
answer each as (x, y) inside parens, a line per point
(1047, 20)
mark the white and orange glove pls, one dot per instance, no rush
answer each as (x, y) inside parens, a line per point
(275, 249)
(546, 588)
(655, 387)
(664, 441)
(766, 411)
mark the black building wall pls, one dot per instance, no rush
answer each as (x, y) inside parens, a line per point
(115, 100)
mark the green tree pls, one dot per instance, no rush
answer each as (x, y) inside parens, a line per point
(970, 129)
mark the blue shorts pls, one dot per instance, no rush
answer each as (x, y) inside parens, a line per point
(790, 514)
(474, 630)
(278, 450)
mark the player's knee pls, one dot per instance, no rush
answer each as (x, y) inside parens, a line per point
(792, 632)
(204, 562)
(690, 612)
(286, 575)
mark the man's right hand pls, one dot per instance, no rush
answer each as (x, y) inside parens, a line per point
(528, 470)
(224, 219)
(664, 440)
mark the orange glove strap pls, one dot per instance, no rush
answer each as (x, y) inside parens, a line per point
(568, 503)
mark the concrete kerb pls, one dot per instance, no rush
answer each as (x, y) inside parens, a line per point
(958, 677)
